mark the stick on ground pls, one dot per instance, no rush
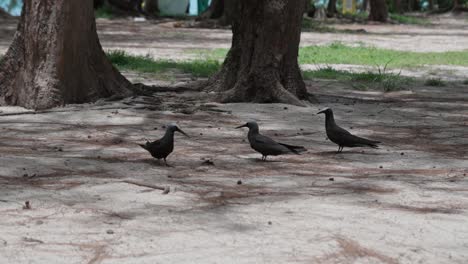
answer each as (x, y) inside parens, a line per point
(165, 189)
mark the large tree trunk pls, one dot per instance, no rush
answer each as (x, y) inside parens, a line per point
(331, 8)
(261, 65)
(378, 11)
(56, 58)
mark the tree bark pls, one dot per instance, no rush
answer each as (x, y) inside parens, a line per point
(261, 65)
(416, 5)
(4, 14)
(365, 3)
(458, 6)
(214, 11)
(151, 7)
(331, 8)
(378, 11)
(398, 8)
(98, 3)
(431, 5)
(310, 8)
(56, 58)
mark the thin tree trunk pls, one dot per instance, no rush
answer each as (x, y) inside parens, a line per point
(365, 3)
(151, 7)
(56, 58)
(261, 65)
(4, 14)
(398, 8)
(214, 11)
(98, 3)
(378, 11)
(416, 6)
(410, 5)
(458, 6)
(430, 5)
(331, 8)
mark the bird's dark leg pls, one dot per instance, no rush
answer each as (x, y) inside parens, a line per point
(340, 149)
(166, 163)
(263, 157)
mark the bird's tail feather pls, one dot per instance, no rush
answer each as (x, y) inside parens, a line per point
(366, 142)
(143, 146)
(295, 149)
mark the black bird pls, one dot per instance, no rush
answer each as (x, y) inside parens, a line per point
(342, 137)
(161, 148)
(267, 146)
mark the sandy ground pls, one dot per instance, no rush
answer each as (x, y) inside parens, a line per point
(406, 202)
(403, 203)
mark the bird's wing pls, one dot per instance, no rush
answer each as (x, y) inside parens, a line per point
(340, 131)
(350, 139)
(155, 143)
(264, 140)
(268, 146)
(150, 145)
(295, 149)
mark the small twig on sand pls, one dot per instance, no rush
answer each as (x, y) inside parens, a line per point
(32, 240)
(164, 189)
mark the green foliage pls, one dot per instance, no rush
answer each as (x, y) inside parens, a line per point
(358, 16)
(434, 82)
(465, 82)
(403, 19)
(361, 80)
(338, 53)
(310, 25)
(105, 11)
(327, 73)
(198, 68)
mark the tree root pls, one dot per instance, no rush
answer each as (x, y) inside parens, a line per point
(277, 94)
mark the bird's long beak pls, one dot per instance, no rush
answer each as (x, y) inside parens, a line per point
(182, 132)
(244, 125)
(321, 112)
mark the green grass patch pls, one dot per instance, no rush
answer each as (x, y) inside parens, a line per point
(197, 68)
(338, 53)
(205, 68)
(358, 16)
(105, 11)
(409, 19)
(381, 79)
(310, 25)
(434, 82)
